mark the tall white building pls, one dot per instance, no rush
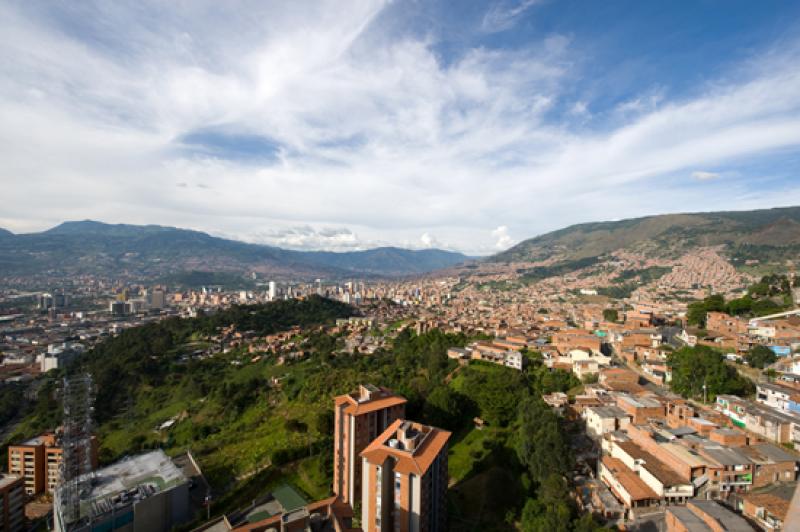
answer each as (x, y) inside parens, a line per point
(273, 290)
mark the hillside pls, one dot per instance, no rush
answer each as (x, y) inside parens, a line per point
(256, 416)
(769, 235)
(152, 251)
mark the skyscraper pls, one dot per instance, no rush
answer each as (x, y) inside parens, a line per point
(359, 419)
(405, 480)
(273, 291)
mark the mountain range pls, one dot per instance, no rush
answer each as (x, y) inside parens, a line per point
(152, 251)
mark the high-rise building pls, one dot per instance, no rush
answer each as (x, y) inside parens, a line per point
(158, 298)
(12, 503)
(37, 462)
(273, 291)
(358, 419)
(405, 480)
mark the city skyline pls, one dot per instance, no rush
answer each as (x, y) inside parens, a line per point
(418, 125)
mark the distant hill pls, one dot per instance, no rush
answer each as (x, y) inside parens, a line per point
(768, 234)
(153, 251)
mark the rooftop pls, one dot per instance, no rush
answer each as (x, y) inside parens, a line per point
(369, 398)
(689, 519)
(130, 479)
(729, 520)
(634, 485)
(413, 446)
(656, 467)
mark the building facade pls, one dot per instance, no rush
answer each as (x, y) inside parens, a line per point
(12, 503)
(358, 419)
(405, 480)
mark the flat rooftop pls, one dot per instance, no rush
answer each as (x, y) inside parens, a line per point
(689, 519)
(131, 478)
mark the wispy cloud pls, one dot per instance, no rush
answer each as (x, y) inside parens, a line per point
(702, 175)
(504, 14)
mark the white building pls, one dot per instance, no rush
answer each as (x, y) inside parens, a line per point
(144, 492)
(272, 293)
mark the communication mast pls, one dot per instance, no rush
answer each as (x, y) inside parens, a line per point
(78, 395)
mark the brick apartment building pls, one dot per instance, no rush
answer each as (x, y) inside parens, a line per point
(38, 462)
(405, 480)
(12, 503)
(358, 419)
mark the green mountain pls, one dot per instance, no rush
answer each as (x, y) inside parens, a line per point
(151, 251)
(766, 235)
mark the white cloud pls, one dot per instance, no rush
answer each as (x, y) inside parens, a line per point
(370, 129)
(504, 240)
(702, 175)
(429, 241)
(306, 237)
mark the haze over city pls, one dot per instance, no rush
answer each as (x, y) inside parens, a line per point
(459, 125)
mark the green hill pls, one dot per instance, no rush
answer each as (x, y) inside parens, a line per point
(769, 234)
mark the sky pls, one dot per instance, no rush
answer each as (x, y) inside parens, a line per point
(351, 124)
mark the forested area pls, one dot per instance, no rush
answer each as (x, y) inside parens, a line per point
(773, 293)
(254, 422)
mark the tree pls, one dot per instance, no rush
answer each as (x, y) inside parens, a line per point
(610, 314)
(760, 357)
(542, 444)
(445, 408)
(550, 511)
(496, 393)
(696, 314)
(694, 367)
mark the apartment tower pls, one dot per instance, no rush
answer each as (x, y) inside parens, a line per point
(359, 418)
(38, 462)
(405, 480)
(12, 503)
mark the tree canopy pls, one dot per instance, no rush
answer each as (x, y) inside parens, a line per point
(693, 367)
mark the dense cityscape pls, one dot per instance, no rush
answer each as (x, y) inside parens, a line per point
(399, 266)
(674, 406)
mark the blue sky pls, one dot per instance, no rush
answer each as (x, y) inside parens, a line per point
(346, 125)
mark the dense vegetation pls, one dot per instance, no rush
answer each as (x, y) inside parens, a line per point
(644, 275)
(760, 357)
(610, 314)
(150, 356)
(773, 293)
(538, 273)
(695, 367)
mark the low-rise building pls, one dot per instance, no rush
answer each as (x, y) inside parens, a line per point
(144, 492)
(601, 420)
(704, 516)
(328, 515)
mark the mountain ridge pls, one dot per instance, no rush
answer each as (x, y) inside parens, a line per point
(153, 250)
(664, 234)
